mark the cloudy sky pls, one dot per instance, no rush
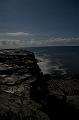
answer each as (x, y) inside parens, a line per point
(39, 22)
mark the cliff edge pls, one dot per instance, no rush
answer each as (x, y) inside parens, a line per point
(27, 94)
(18, 70)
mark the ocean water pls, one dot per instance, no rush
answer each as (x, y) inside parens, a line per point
(57, 58)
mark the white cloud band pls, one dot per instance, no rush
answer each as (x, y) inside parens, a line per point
(27, 39)
(16, 34)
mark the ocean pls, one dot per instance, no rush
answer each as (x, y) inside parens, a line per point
(57, 58)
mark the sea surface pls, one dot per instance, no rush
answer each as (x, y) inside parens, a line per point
(57, 58)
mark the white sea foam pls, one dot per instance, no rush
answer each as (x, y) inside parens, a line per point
(48, 66)
(44, 65)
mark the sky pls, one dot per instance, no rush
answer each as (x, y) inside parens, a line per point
(39, 22)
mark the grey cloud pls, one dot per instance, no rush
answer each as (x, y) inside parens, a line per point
(35, 41)
(6, 43)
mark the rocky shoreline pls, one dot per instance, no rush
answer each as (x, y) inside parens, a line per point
(27, 94)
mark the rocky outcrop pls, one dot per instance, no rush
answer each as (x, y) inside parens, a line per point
(27, 94)
(17, 67)
(18, 70)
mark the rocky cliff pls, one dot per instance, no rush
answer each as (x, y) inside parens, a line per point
(18, 70)
(27, 94)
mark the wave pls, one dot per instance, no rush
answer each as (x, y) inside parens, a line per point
(48, 66)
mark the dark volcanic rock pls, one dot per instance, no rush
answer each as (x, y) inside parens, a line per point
(18, 69)
(27, 94)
